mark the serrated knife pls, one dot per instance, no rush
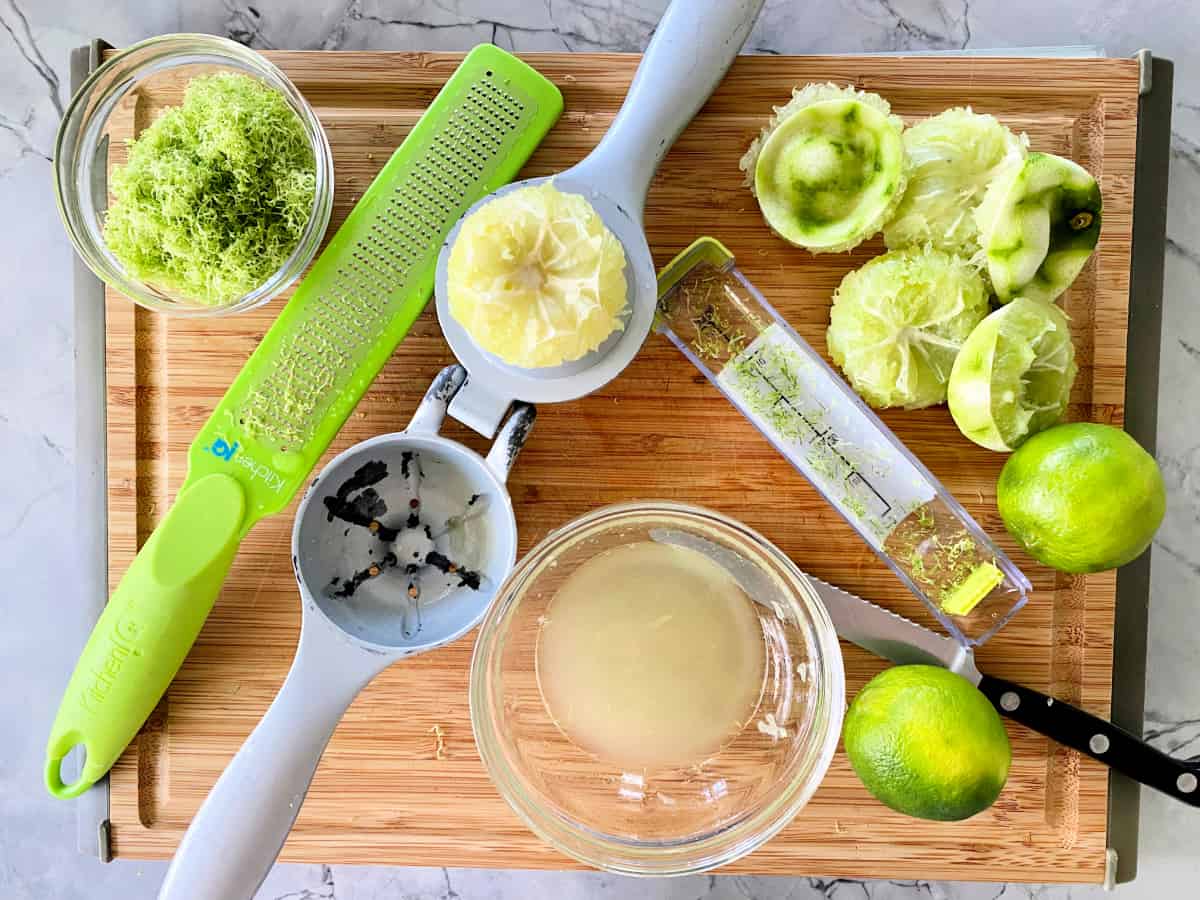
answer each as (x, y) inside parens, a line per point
(903, 641)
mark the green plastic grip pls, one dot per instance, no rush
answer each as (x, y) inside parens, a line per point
(146, 630)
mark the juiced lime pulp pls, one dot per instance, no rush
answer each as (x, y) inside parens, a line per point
(1013, 376)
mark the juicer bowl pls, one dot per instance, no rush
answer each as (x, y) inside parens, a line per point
(688, 815)
(115, 104)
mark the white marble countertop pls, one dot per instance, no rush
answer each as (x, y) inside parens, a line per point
(40, 638)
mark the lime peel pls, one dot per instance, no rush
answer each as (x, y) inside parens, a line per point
(1038, 226)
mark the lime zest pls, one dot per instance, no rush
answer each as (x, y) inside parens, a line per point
(960, 600)
(924, 517)
(216, 193)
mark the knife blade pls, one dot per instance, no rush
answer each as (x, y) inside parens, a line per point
(903, 641)
(890, 635)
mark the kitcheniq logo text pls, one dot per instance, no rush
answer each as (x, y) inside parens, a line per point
(224, 450)
(120, 645)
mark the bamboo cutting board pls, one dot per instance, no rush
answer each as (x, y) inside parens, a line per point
(384, 794)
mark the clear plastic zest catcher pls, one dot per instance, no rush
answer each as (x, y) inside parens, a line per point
(720, 321)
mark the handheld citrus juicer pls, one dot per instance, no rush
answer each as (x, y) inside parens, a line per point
(312, 366)
(692, 48)
(721, 322)
(399, 546)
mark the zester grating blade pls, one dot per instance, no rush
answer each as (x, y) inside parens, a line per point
(386, 262)
(373, 279)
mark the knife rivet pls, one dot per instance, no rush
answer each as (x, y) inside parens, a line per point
(1009, 701)
(1186, 783)
(1098, 744)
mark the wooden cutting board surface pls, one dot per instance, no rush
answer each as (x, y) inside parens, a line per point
(383, 794)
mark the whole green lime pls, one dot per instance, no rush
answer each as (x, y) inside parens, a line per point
(927, 743)
(1082, 497)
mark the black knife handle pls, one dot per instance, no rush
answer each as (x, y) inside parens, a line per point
(1099, 739)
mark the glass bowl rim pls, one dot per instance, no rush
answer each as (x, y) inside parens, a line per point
(668, 857)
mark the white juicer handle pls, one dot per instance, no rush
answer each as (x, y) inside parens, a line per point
(239, 830)
(694, 45)
(431, 412)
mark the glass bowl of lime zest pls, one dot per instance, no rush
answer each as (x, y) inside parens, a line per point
(192, 176)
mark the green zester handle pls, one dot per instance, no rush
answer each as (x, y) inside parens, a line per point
(146, 630)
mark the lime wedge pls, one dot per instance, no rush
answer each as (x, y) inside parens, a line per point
(1013, 376)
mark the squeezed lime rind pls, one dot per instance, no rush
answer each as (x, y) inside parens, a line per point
(953, 157)
(829, 168)
(1013, 376)
(1038, 226)
(898, 322)
(536, 278)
